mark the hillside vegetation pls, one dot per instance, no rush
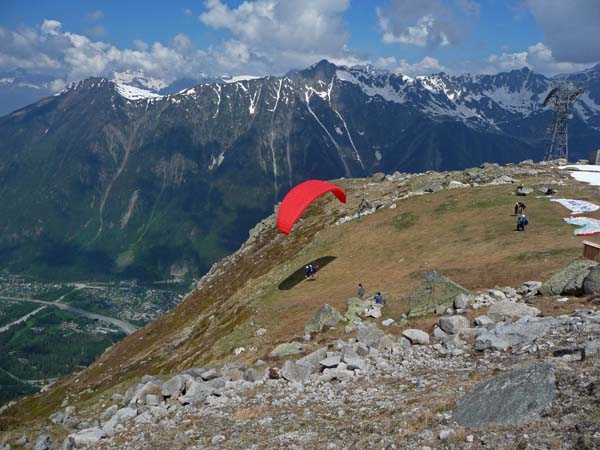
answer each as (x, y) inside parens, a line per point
(467, 234)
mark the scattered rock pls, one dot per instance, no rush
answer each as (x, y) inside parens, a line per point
(287, 349)
(417, 337)
(510, 398)
(369, 334)
(507, 310)
(173, 387)
(292, 371)
(355, 310)
(591, 283)
(210, 374)
(446, 434)
(311, 361)
(569, 281)
(483, 321)
(388, 322)
(331, 361)
(325, 316)
(453, 324)
(436, 292)
(43, 443)
(252, 375)
(89, 436)
(462, 301)
(510, 335)
(217, 439)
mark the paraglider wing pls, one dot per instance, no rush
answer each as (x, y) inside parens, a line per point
(300, 197)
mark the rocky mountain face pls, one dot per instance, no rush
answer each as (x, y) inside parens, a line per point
(504, 367)
(106, 179)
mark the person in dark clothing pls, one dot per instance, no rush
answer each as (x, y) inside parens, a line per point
(309, 271)
(516, 208)
(379, 299)
(361, 291)
(524, 221)
(520, 224)
(550, 191)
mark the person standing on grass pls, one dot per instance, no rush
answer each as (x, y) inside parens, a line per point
(361, 291)
(520, 224)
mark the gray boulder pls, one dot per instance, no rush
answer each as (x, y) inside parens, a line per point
(453, 324)
(369, 334)
(43, 443)
(569, 281)
(109, 412)
(325, 316)
(199, 391)
(68, 444)
(150, 388)
(331, 361)
(507, 399)
(355, 310)
(483, 321)
(415, 336)
(210, 374)
(89, 436)
(591, 283)
(311, 361)
(292, 371)
(510, 335)
(173, 387)
(462, 301)
(340, 374)
(507, 310)
(287, 349)
(436, 292)
(252, 375)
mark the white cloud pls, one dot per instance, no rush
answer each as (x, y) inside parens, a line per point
(282, 34)
(187, 11)
(51, 27)
(413, 35)
(71, 56)
(426, 23)
(538, 58)
(426, 66)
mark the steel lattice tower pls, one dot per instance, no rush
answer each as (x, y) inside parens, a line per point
(561, 99)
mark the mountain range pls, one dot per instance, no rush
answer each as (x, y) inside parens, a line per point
(106, 179)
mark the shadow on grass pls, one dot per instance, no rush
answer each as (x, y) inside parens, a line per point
(298, 275)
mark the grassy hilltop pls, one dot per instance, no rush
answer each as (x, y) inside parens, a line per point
(467, 234)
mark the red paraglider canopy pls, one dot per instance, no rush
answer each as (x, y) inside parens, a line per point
(300, 197)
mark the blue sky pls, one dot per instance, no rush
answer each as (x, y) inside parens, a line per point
(181, 38)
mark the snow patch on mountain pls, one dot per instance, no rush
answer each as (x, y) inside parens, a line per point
(133, 93)
(374, 87)
(239, 78)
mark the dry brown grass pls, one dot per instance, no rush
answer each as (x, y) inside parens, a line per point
(254, 412)
(472, 241)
